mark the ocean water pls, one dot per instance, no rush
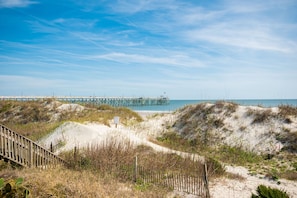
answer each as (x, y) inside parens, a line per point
(176, 104)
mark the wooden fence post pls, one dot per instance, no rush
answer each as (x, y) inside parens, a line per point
(206, 181)
(75, 154)
(51, 147)
(31, 163)
(135, 169)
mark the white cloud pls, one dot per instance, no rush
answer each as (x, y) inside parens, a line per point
(242, 36)
(174, 60)
(16, 3)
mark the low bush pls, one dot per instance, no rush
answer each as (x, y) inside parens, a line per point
(13, 188)
(267, 192)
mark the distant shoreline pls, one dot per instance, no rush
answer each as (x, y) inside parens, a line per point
(177, 104)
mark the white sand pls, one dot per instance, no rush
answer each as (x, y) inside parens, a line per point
(226, 188)
(70, 107)
(73, 134)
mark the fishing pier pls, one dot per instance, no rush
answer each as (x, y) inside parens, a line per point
(113, 101)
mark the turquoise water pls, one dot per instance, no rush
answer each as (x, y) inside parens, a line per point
(176, 104)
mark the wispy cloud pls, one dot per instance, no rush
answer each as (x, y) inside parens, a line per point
(16, 3)
(230, 23)
(176, 60)
(137, 6)
(60, 24)
(242, 36)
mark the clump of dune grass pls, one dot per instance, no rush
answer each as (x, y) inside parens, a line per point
(259, 116)
(287, 110)
(289, 139)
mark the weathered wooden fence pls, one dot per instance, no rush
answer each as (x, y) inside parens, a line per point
(24, 152)
(195, 183)
(181, 182)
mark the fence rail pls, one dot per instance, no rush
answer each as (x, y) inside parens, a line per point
(24, 152)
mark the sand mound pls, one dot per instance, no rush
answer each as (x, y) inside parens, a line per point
(257, 129)
(70, 107)
(72, 134)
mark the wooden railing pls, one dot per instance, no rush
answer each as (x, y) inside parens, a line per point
(24, 152)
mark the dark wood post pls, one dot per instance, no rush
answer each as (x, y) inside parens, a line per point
(51, 147)
(135, 169)
(206, 181)
(75, 155)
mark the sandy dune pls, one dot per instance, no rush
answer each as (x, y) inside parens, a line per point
(72, 134)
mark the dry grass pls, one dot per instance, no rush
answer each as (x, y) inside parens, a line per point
(118, 158)
(235, 177)
(34, 131)
(287, 110)
(259, 116)
(290, 141)
(227, 107)
(106, 171)
(63, 182)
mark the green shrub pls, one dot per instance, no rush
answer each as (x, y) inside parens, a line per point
(13, 188)
(267, 192)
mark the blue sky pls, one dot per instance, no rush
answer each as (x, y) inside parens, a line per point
(221, 49)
